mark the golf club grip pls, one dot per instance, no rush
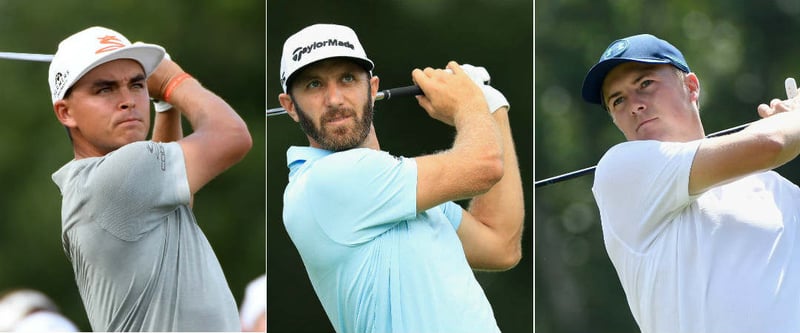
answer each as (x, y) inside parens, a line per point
(397, 92)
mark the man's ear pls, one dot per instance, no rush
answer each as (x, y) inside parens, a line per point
(64, 113)
(693, 85)
(288, 105)
(374, 83)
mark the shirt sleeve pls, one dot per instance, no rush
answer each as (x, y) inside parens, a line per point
(453, 212)
(639, 185)
(360, 193)
(137, 185)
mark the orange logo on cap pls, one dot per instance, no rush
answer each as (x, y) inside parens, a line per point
(113, 43)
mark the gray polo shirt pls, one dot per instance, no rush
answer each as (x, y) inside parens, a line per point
(141, 261)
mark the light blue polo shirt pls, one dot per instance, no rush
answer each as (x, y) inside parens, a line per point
(375, 263)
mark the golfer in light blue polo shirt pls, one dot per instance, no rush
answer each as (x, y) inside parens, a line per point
(381, 256)
(365, 245)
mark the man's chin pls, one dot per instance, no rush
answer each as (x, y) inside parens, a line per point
(341, 145)
(131, 139)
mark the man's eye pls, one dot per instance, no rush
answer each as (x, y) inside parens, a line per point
(646, 83)
(348, 78)
(314, 84)
(617, 101)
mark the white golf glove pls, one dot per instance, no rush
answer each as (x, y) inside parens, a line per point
(481, 77)
(159, 105)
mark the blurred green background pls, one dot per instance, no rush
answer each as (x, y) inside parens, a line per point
(400, 36)
(741, 51)
(221, 43)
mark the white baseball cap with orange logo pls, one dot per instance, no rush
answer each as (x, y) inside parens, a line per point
(87, 49)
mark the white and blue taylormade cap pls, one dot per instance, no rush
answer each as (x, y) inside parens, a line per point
(320, 42)
(642, 48)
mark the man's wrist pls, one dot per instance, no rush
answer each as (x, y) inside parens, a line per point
(173, 83)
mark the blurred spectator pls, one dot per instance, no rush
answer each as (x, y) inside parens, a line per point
(254, 306)
(26, 310)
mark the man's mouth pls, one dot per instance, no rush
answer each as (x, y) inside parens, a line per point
(644, 122)
(337, 118)
(130, 120)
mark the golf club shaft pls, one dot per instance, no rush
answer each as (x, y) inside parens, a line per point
(381, 95)
(26, 56)
(586, 171)
(384, 94)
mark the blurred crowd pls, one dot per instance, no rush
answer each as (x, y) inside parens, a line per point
(28, 310)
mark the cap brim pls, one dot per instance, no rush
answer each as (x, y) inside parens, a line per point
(366, 63)
(148, 55)
(593, 82)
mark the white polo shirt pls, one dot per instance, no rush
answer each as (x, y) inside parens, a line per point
(725, 261)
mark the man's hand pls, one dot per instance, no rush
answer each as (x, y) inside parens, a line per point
(448, 96)
(777, 106)
(481, 77)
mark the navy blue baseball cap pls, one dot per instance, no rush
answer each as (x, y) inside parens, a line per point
(642, 48)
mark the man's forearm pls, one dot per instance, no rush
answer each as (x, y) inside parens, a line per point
(205, 111)
(502, 208)
(167, 126)
(471, 167)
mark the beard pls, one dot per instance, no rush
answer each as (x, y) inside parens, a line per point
(341, 137)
